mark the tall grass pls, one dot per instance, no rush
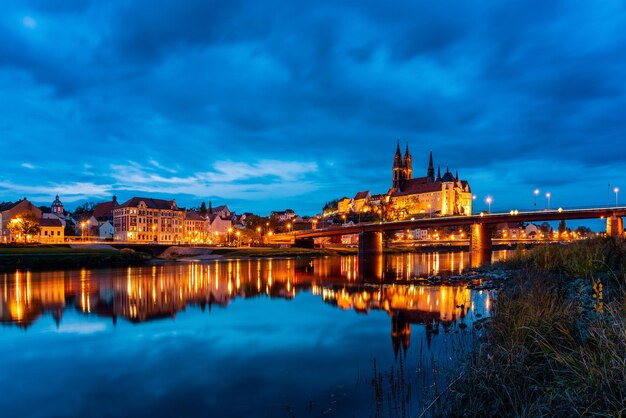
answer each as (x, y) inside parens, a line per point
(547, 353)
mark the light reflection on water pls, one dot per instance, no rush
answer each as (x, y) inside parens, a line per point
(287, 326)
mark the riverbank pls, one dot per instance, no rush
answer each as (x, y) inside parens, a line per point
(556, 342)
(63, 256)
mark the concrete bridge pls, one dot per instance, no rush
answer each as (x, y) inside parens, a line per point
(370, 234)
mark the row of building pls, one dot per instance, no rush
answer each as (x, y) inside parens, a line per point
(136, 220)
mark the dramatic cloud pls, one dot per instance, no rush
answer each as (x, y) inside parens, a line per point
(267, 105)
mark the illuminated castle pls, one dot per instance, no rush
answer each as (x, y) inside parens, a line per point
(429, 195)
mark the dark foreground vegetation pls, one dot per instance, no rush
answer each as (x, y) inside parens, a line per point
(62, 256)
(556, 343)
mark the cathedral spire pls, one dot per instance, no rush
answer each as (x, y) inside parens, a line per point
(430, 174)
(438, 173)
(457, 175)
(408, 164)
(398, 173)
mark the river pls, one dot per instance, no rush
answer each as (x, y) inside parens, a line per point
(235, 338)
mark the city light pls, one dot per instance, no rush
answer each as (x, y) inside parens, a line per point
(489, 199)
(536, 192)
(616, 190)
(548, 195)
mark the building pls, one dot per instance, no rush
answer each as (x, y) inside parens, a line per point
(9, 210)
(428, 195)
(221, 210)
(106, 230)
(196, 227)
(104, 211)
(51, 230)
(361, 201)
(219, 227)
(283, 216)
(141, 219)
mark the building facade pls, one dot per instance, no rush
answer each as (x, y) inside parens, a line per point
(149, 220)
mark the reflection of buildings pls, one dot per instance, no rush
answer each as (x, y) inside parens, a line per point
(139, 294)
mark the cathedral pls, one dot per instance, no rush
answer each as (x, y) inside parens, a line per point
(429, 195)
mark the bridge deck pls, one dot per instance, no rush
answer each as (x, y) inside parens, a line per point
(448, 221)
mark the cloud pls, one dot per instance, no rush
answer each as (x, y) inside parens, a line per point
(251, 98)
(28, 165)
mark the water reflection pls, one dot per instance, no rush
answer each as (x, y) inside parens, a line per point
(139, 294)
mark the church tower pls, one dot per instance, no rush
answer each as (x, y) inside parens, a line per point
(57, 206)
(408, 164)
(398, 169)
(430, 174)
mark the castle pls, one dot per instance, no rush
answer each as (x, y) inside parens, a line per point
(414, 196)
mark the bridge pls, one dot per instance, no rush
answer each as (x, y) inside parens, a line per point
(370, 234)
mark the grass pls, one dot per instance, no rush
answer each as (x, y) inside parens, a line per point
(62, 256)
(556, 344)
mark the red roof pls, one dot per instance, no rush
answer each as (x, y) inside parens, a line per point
(361, 195)
(47, 222)
(194, 216)
(418, 185)
(105, 209)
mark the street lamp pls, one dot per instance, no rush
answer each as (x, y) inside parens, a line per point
(82, 227)
(238, 239)
(536, 194)
(616, 190)
(548, 195)
(489, 199)
(228, 236)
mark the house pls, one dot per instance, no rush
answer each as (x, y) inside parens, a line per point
(360, 201)
(221, 210)
(106, 230)
(104, 211)
(142, 219)
(9, 210)
(219, 228)
(283, 216)
(196, 227)
(344, 205)
(51, 230)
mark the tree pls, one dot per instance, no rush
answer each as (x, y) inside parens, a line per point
(562, 227)
(24, 224)
(84, 211)
(332, 205)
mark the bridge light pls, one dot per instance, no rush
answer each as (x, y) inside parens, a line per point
(560, 210)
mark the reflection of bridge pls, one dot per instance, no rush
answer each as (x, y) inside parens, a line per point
(370, 234)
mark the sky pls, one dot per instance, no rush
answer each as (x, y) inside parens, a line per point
(272, 105)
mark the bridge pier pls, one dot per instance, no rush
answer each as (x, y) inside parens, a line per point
(370, 255)
(615, 226)
(304, 243)
(370, 243)
(480, 245)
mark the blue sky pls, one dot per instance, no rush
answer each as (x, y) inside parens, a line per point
(268, 105)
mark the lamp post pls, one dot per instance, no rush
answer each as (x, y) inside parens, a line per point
(548, 195)
(616, 190)
(228, 235)
(82, 227)
(536, 194)
(238, 239)
(489, 199)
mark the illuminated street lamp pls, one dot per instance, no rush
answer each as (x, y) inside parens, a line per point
(616, 190)
(536, 194)
(489, 199)
(228, 235)
(548, 195)
(82, 227)
(238, 239)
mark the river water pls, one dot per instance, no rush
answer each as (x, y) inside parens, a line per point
(240, 338)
